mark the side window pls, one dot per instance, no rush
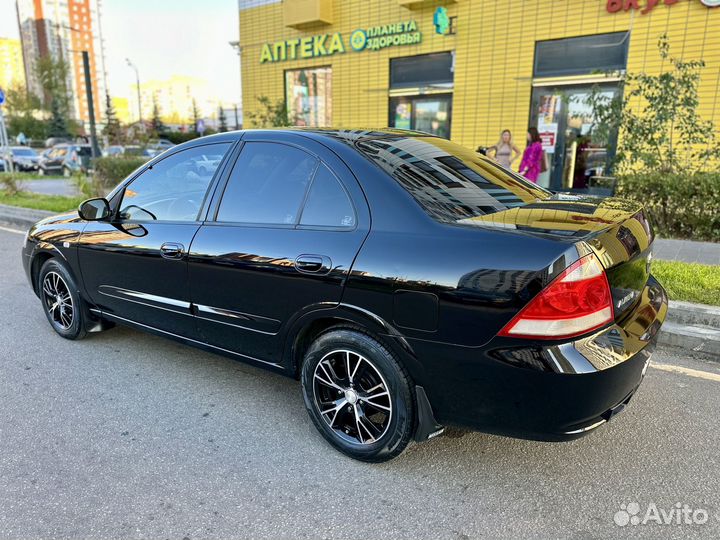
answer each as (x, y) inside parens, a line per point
(267, 184)
(174, 188)
(327, 203)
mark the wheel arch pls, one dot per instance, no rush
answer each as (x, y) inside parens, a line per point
(307, 327)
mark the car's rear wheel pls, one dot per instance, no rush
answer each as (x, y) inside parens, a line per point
(64, 309)
(358, 395)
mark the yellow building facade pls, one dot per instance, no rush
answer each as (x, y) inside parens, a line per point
(468, 69)
(12, 70)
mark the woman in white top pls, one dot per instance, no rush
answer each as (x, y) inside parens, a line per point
(505, 152)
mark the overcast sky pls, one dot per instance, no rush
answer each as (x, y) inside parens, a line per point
(162, 38)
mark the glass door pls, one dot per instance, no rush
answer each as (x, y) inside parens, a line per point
(430, 114)
(577, 148)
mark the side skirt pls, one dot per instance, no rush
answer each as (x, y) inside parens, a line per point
(275, 367)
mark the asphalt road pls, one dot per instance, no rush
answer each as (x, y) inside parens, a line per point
(52, 186)
(125, 435)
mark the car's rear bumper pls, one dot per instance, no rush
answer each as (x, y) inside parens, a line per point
(545, 391)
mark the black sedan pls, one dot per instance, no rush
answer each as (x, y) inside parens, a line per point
(407, 282)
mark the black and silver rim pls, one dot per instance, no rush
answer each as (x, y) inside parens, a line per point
(352, 397)
(58, 300)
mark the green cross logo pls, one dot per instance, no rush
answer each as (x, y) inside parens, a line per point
(441, 21)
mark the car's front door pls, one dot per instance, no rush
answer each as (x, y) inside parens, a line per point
(281, 240)
(135, 266)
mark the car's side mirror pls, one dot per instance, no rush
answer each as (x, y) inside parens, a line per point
(94, 209)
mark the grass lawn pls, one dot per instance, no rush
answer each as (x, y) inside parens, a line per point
(54, 203)
(689, 282)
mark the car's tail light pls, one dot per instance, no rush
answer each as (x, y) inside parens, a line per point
(574, 303)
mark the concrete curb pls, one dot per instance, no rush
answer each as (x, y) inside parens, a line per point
(21, 218)
(694, 327)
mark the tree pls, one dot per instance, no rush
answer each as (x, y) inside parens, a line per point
(58, 123)
(53, 77)
(195, 117)
(112, 129)
(660, 129)
(24, 114)
(270, 114)
(222, 120)
(156, 123)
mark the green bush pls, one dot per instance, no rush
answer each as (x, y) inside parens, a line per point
(178, 137)
(110, 171)
(680, 206)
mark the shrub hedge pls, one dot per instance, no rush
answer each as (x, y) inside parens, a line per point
(680, 206)
(110, 171)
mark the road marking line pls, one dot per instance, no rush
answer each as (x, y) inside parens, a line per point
(6, 229)
(687, 371)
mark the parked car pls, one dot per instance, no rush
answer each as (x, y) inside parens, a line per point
(66, 159)
(113, 150)
(138, 151)
(24, 159)
(206, 163)
(54, 141)
(407, 282)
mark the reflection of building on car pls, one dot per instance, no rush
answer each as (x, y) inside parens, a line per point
(66, 159)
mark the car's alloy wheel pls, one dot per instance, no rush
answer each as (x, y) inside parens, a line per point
(358, 395)
(64, 308)
(352, 396)
(58, 300)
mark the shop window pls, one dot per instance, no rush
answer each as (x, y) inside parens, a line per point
(581, 55)
(308, 96)
(422, 70)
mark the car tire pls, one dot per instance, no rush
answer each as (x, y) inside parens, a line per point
(358, 395)
(64, 308)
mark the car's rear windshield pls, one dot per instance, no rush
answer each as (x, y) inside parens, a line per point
(449, 181)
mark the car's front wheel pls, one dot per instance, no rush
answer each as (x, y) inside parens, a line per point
(64, 309)
(358, 395)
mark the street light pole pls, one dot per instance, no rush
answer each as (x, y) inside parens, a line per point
(137, 84)
(95, 149)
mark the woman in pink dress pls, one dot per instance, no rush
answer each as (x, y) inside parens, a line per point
(531, 164)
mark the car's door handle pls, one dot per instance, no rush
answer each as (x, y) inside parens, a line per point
(172, 250)
(313, 264)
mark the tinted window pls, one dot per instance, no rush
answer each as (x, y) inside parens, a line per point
(450, 182)
(174, 188)
(327, 203)
(267, 184)
(436, 68)
(581, 55)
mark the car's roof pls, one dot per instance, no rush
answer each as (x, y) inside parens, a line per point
(345, 135)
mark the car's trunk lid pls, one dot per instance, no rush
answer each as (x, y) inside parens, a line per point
(617, 231)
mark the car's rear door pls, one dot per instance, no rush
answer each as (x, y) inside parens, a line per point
(135, 266)
(280, 240)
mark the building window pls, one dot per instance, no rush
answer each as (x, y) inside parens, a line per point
(425, 70)
(581, 55)
(308, 96)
